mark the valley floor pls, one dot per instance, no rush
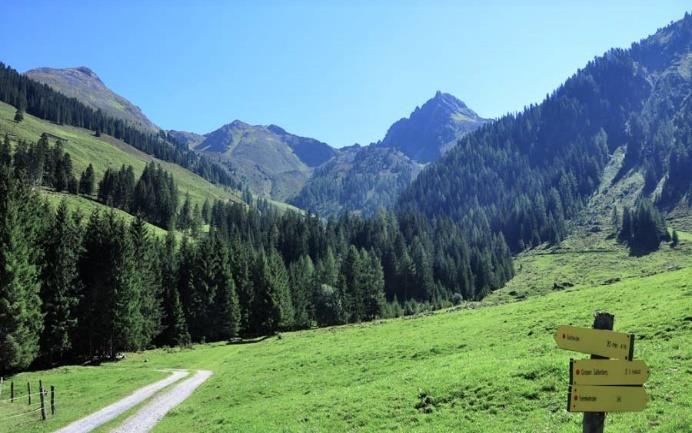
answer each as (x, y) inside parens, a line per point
(492, 367)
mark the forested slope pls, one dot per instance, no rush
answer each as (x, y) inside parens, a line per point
(528, 173)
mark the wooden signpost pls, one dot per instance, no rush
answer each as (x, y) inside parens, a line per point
(599, 385)
(583, 398)
(595, 342)
(607, 372)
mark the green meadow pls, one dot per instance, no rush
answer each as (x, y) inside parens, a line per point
(479, 367)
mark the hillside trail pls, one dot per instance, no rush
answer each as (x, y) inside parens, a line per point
(148, 416)
(112, 411)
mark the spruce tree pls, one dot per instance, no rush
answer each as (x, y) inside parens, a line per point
(20, 284)
(226, 309)
(174, 327)
(146, 271)
(675, 239)
(87, 180)
(280, 286)
(61, 285)
(18, 115)
(373, 296)
(5, 152)
(265, 312)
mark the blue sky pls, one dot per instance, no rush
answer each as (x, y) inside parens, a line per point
(338, 71)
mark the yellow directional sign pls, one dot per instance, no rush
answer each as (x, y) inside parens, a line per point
(607, 372)
(599, 342)
(583, 398)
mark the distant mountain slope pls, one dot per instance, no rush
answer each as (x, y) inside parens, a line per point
(83, 84)
(526, 174)
(364, 179)
(359, 179)
(269, 160)
(432, 129)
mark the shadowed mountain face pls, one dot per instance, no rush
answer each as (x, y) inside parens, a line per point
(268, 159)
(360, 180)
(84, 85)
(627, 111)
(432, 129)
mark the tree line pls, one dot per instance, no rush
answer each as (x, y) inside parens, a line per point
(77, 287)
(42, 101)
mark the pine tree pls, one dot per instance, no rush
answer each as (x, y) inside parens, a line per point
(87, 180)
(184, 220)
(352, 285)
(5, 152)
(206, 211)
(146, 272)
(265, 312)
(174, 327)
(18, 115)
(225, 308)
(128, 323)
(675, 239)
(303, 282)
(20, 284)
(61, 285)
(373, 297)
(280, 287)
(615, 221)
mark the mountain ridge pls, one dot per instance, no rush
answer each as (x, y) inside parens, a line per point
(85, 85)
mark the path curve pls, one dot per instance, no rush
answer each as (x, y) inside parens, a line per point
(146, 418)
(108, 413)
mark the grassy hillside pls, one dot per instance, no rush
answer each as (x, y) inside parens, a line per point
(104, 152)
(489, 369)
(86, 206)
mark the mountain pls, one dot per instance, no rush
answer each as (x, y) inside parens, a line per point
(269, 160)
(84, 85)
(364, 179)
(432, 129)
(617, 130)
(358, 179)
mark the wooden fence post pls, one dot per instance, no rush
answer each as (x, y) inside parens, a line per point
(28, 388)
(42, 396)
(52, 400)
(595, 421)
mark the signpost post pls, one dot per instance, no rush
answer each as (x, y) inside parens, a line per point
(599, 385)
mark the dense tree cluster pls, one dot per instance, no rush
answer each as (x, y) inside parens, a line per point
(528, 173)
(75, 287)
(42, 164)
(154, 196)
(642, 228)
(43, 102)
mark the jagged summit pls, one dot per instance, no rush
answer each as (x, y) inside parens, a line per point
(432, 128)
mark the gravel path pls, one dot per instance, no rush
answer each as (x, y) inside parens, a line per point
(146, 418)
(108, 413)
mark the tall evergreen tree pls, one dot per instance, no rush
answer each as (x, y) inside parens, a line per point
(174, 327)
(61, 284)
(20, 283)
(265, 313)
(146, 272)
(87, 181)
(5, 152)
